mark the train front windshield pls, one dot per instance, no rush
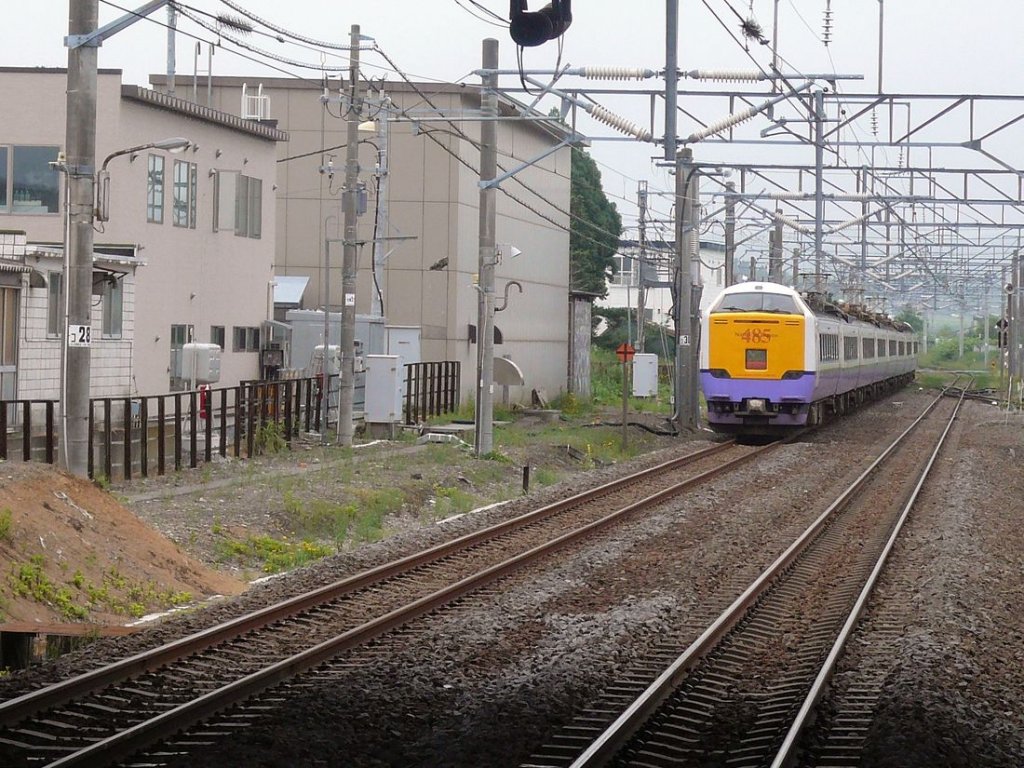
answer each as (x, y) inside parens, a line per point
(758, 301)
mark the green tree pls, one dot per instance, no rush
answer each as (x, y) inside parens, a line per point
(911, 318)
(595, 228)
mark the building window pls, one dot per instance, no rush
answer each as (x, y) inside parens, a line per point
(245, 339)
(8, 326)
(238, 204)
(54, 305)
(113, 309)
(155, 190)
(183, 213)
(28, 184)
(217, 335)
(626, 271)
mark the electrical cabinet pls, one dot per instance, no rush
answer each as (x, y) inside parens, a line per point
(384, 378)
(645, 375)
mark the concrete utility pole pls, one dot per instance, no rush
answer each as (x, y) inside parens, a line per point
(730, 234)
(380, 210)
(819, 199)
(671, 77)
(172, 25)
(349, 262)
(641, 290)
(775, 250)
(686, 196)
(80, 148)
(484, 440)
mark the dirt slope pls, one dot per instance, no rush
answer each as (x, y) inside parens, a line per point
(70, 552)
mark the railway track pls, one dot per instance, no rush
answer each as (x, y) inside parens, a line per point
(113, 712)
(742, 692)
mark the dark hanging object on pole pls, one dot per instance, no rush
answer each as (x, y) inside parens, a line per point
(532, 28)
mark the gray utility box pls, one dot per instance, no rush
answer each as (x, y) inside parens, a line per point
(645, 375)
(200, 363)
(384, 379)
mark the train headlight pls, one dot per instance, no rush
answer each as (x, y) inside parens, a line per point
(755, 404)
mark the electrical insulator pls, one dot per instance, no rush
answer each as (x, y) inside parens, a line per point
(619, 123)
(874, 123)
(826, 35)
(616, 73)
(727, 75)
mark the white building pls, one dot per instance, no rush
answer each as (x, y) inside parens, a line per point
(187, 255)
(658, 260)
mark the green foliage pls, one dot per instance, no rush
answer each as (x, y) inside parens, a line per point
(269, 554)
(618, 319)
(29, 580)
(910, 317)
(594, 230)
(269, 439)
(6, 525)
(452, 501)
(544, 476)
(102, 482)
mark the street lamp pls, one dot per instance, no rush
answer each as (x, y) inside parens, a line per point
(173, 145)
(83, 205)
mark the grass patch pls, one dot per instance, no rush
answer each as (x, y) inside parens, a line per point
(543, 476)
(269, 439)
(450, 501)
(6, 525)
(271, 555)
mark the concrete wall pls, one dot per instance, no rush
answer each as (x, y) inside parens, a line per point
(432, 199)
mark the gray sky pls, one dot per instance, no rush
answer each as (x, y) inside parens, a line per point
(930, 46)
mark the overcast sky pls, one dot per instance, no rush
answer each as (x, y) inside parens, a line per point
(930, 46)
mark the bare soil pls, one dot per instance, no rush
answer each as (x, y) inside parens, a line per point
(70, 552)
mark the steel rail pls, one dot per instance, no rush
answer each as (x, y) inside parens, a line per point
(17, 709)
(828, 667)
(616, 735)
(136, 738)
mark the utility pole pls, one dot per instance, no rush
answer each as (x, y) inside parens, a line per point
(819, 200)
(641, 291)
(380, 215)
(80, 146)
(484, 441)
(730, 234)
(172, 24)
(671, 77)
(349, 262)
(686, 195)
(775, 250)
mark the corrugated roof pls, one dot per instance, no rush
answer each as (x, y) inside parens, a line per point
(200, 112)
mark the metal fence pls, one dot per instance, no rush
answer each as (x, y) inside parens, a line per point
(431, 389)
(136, 436)
(130, 435)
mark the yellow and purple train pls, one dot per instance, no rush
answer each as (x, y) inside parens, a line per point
(772, 360)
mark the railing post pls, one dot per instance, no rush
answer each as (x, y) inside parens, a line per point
(127, 418)
(161, 434)
(108, 439)
(208, 427)
(26, 430)
(144, 436)
(288, 412)
(177, 431)
(238, 421)
(49, 432)
(223, 443)
(3, 429)
(193, 429)
(91, 461)
(250, 421)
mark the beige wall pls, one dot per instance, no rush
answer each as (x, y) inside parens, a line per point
(191, 276)
(432, 197)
